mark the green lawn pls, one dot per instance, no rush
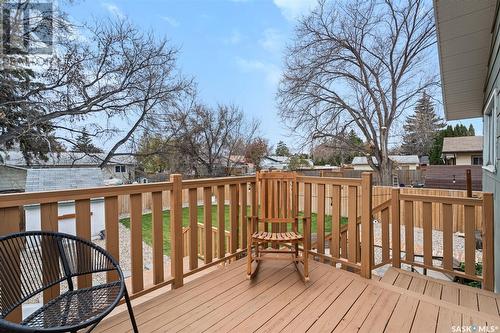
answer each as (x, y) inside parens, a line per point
(147, 224)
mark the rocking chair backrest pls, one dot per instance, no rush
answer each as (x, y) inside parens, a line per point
(278, 198)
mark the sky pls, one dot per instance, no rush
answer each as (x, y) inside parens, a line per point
(233, 48)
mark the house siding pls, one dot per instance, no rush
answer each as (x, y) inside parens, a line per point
(491, 181)
(12, 179)
(465, 158)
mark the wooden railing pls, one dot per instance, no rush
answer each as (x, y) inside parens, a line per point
(12, 216)
(347, 248)
(200, 249)
(351, 246)
(406, 203)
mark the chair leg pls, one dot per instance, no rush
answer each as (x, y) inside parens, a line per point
(305, 257)
(130, 311)
(249, 258)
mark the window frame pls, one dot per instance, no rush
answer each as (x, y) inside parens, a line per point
(490, 125)
(119, 168)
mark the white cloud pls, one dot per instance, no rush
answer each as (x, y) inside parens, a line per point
(171, 21)
(234, 38)
(113, 9)
(291, 9)
(272, 40)
(272, 72)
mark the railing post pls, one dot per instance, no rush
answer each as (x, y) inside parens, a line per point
(176, 230)
(10, 221)
(366, 225)
(396, 235)
(488, 242)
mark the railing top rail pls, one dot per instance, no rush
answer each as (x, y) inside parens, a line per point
(330, 180)
(29, 198)
(206, 182)
(442, 199)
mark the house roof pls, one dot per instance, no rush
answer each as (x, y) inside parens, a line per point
(400, 159)
(50, 179)
(279, 159)
(464, 40)
(463, 144)
(70, 159)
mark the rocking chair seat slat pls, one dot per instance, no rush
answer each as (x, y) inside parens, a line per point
(277, 236)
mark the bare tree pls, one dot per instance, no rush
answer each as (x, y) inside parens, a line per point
(357, 65)
(111, 76)
(208, 137)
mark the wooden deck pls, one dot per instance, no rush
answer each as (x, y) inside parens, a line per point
(334, 300)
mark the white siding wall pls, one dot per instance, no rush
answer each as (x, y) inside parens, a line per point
(68, 225)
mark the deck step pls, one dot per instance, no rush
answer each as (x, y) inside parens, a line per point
(447, 291)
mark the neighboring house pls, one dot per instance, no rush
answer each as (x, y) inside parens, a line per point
(238, 165)
(12, 179)
(469, 56)
(275, 162)
(402, 162)
(50, 179)
(463, 150)
(120, 167)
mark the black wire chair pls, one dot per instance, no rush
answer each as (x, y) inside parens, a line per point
(32, 262)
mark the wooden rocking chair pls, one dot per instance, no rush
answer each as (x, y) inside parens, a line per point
(278, 193)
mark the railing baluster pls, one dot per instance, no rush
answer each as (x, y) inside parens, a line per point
(470, 240)
(193, 226)
(427, 226)
(221, 221)
(447, 210)
(82, 221)
(321, 220)
(207, 219)
(352, 228)
(157, 214)
(307, 211)
(366, 225)
(488, 242)
(409, 237)
(396, 235)
(177, 263)
(336, 221)
(243, 214)
(255, 205)
(49, 222)
(10, 221)
(136, 242)
(111, 225)
(233, 213)
(385, 234)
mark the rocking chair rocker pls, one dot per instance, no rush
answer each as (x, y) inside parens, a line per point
(278, 192)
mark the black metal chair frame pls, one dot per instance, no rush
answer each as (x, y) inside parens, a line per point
(11, 302)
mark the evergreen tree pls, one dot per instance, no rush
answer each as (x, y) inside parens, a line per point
(84, 144)
(421, 128)
(472, 132)
(282, 149)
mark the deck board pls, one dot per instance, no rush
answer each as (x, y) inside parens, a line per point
(333, 300)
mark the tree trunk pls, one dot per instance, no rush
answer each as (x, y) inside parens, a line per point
(385, 173)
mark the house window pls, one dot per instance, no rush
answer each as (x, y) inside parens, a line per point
(490, 133)
(477, 160)
(119, 168)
